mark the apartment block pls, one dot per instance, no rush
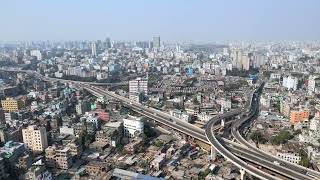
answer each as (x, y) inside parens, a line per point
(11, 105)
(35, 138)
(58, 157)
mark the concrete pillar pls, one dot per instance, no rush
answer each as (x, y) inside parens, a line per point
(213, 153)
(242, 174)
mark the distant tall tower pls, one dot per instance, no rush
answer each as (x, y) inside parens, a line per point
(236, 56)
(178, 48)
(156, 42)
(245, 62)
(94, 49)
(108, 43)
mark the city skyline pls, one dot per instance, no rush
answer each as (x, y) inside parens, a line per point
(208, 21)
(158, 90)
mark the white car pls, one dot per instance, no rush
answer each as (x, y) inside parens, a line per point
(276, 162)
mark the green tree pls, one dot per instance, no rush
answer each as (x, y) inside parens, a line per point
(282, 137)
(258, 137)
(195, 101)
(243, 82)
(304, 159)
(297, 132)
(148, 132)
(204, 174)
(158, 144)
(278, 106)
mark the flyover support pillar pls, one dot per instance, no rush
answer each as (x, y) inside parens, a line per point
(242, 174)
(213, 153)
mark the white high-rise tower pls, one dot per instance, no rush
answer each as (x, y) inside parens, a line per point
(94, 49)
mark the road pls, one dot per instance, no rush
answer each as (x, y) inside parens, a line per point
(240, 126)
(61, 80)
(197, 133)
(209, 132)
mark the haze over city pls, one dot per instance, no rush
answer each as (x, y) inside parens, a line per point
(160, 90)
(179, 20)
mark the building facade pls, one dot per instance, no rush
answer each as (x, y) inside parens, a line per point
(291, 157)
(58, 157)
(290, 82)
(133, 126)
(156, 42)
(11, 105)
(299, 116)
(35, 138)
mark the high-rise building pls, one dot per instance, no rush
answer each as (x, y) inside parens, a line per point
(178, 48)
(156, 42)
(236, 56)
(108, 43)
(259, 60)
(94, 49)
(35, 138)
(245, 62)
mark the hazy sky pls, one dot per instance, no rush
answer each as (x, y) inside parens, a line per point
(197, 20)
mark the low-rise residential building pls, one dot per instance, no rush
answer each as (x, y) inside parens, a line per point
(81, 107)
(12, 105)
(12, 150)
(290, 82)
(58, 157)
(204, 117)
(158, 161)
(133, 126)
(180, 115)
(24, 162)
(11, 134)
(126, 175)
(297, 116)
(38, 173)
(3, 174)
(290, 156)
(93, 168)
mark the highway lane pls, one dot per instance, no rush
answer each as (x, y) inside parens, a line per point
(194, 132)
(234, 159)
(238, 125)
(180, 126)
(271, 158)
(177, 121)
(61, 80)
(256, 157)
(152, 110)
(259, 159)
(66, 81)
